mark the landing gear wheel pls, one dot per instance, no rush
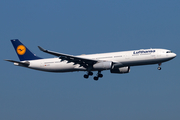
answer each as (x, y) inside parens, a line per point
(90, 73)
(159, 68)
(86, 76)
(100, 75)
(95, 78)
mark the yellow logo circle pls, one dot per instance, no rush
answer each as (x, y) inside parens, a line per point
(21, 49)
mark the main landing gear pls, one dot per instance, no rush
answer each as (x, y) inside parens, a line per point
(159, 68)
(88, 74)
(99, 75)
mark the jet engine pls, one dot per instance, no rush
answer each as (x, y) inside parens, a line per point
(103, 65)
(121, 70)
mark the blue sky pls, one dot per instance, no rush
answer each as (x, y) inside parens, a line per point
(85, 27)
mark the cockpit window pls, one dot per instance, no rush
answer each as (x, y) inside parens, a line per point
(169, 52)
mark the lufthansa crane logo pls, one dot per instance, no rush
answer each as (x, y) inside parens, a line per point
(21, 49)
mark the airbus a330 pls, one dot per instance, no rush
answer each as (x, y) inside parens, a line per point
(116, 62)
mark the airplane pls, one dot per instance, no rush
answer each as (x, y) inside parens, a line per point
(116, 62)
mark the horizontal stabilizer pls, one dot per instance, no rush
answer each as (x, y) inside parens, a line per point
(25, 64)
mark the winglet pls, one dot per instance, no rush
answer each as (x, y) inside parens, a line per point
(50, 52)
(42, 49)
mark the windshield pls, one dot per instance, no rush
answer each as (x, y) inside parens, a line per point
(169, 52)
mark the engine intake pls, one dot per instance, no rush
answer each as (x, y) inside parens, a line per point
(121, 70)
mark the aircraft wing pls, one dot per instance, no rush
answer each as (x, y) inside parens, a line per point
(70, 58)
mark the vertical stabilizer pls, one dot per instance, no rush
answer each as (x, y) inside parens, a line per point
(23, 52)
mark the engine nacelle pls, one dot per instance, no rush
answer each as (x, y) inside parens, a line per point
(103, 65)
(121, 70)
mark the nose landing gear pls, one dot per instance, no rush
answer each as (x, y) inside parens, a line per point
(159, 68)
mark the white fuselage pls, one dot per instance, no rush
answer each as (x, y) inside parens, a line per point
(120, 59)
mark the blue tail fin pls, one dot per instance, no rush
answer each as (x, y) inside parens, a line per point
(23, 52)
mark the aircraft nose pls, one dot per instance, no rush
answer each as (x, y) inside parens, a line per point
(174, 55)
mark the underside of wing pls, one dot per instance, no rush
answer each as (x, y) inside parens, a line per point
(70, 58)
